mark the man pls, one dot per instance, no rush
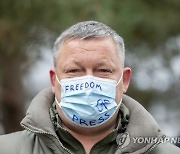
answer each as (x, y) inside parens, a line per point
(86, 110)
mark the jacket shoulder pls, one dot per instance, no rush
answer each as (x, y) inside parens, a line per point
(166, 148)
(21, 142)
(16, 137)
(9, 143)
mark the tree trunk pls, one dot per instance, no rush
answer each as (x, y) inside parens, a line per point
(12, 95)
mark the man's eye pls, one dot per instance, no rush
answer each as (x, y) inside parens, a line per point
(105, 70)
(73, 71)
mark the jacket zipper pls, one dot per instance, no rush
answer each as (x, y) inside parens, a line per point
(154, 146)
(46, 133)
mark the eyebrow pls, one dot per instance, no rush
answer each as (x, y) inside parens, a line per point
(98, 64)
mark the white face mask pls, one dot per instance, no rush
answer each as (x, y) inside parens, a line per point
(88, 101)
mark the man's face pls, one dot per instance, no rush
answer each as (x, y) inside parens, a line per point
(98, 57)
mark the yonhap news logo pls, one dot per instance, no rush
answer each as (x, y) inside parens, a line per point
(124, 139)
(148, 140)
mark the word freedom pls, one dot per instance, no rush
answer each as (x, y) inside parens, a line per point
(82, 86)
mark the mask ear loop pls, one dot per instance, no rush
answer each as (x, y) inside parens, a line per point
(55, 97)
(58, 103)
(119, 103)
(119, 80)
(56, 100)
(58, 80)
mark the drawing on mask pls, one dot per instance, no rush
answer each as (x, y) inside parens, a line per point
(102, 104)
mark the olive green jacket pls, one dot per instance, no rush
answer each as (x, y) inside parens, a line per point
(39, 136)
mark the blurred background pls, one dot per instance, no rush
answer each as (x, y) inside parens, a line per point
(151, 31)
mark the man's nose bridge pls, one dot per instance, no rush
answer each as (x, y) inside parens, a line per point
(89, 71)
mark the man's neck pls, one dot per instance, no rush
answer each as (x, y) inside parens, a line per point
(88, 137)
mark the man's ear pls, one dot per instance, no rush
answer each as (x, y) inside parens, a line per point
(126, 78)
(52, 75)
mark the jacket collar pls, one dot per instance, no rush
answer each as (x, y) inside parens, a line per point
(37, 117)
(141, 123)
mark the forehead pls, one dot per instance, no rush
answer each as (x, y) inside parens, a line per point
(88, 52)
(90, 44)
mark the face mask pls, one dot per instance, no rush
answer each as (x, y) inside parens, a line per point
(88, 101)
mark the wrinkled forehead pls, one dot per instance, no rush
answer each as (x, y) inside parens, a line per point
(105, 44)
(88, 43)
